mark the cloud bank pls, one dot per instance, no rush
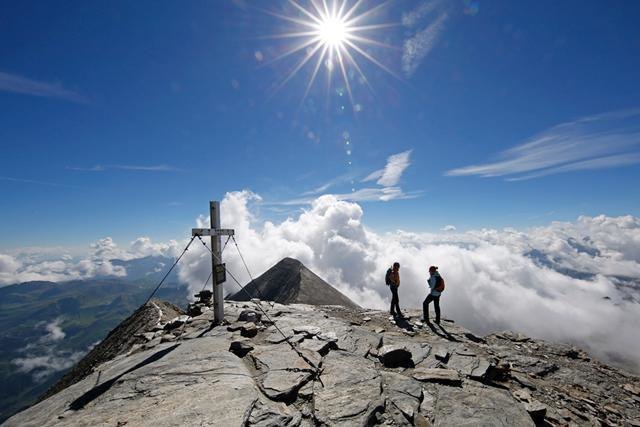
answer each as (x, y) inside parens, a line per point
(571, 282)
(595, 142)
(575, 282)
(57, 266)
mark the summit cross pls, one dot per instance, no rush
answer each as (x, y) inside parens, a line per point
(218, 271)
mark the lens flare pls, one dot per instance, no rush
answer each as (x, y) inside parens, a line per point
(330, 36)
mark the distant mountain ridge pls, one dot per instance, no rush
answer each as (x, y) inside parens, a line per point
(289, 281)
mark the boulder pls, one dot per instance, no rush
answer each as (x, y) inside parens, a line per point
(249, 316)
(249, 330)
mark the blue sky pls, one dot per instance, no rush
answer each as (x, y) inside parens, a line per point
(124, 118)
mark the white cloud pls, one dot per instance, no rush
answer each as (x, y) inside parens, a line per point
(42, 357)
(417, 47)
(143, 246)
(18, 84)
(54, 264)
(393, 170)
(43, 365)
(54, 331)
(582, 273)
(595, 142)
(449, 228)
(8, 264)
(387, 177)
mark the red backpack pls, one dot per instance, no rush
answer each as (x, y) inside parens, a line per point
(439, 283)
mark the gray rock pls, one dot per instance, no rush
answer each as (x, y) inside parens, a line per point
(465, 351)
(283, 370)
(482, 370)
(307, 330)
(129, 390)
(483, 406)
(441, 354)
(319, 346)
(177, 322)
(147, 336)
(235, 327)
(249, 330)
(168, 338)
(241, 347)
(282, 384)
(357, 340)
(393, 356)
(530, 365)
(336, 403)
(403, 392)
(278, 357)
(536, 410)
(463, 364)
(435, 375)
(249, 316)
(474, 338)
(269, 414)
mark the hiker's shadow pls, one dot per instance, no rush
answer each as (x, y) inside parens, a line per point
(439, 330)
(403, 323)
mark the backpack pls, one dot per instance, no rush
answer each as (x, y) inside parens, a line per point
(439, 283)
(387, 278)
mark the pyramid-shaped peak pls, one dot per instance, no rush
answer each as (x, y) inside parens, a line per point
(289, 281)
(288, 261)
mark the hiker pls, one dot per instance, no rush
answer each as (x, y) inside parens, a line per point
(436, 286)
(393, 281)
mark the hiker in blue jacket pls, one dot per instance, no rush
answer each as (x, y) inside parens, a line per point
(436, 285)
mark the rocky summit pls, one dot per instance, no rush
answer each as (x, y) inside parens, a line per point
(289, 281)
(302, 365)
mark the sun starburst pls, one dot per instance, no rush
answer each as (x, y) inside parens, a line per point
(330, 35)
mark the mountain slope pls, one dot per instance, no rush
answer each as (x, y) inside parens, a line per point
(349, 367)
(289, 281)
(47, 327)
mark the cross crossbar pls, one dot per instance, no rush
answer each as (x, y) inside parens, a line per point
(212, 232)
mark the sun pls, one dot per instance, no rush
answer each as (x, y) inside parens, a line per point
(331, 35)
(333, 31)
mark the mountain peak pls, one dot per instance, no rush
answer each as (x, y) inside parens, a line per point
(290, 281)
(340, 366)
